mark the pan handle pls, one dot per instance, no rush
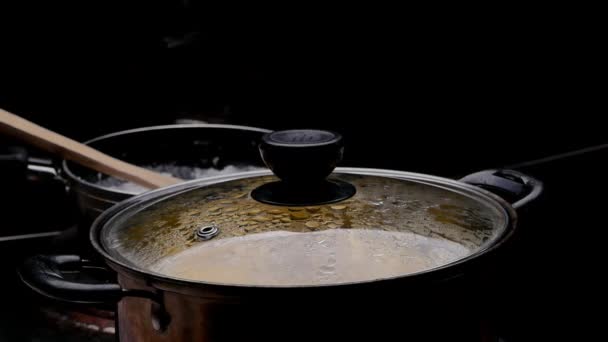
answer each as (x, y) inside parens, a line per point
(50, 276)
(513, 186)
(41, 168)
(19, 165)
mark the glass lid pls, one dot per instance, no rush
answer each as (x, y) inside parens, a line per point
(363, 225)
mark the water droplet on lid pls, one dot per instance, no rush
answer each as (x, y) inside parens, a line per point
(262, 218)
(312, 224)
(253, 212)
(299, 215)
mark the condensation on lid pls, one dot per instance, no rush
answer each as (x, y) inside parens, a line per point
(161, 229)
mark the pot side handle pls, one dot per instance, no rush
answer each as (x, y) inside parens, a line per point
(18, 166)
(47, 275)
(513, 186)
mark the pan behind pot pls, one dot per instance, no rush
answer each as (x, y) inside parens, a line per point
(201, 146)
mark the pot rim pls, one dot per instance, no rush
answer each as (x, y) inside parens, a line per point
(73, 177)
(162, 281)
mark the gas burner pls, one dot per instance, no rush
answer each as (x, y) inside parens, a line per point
(86, 320)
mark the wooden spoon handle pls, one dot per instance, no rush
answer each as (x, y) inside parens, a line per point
(79, 153)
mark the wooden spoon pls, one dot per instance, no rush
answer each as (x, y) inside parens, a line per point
(80, 153)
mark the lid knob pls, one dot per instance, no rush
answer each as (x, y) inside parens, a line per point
(302, 159)
(302, 156)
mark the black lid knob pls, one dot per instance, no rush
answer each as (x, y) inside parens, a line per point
(302, 159)
(302, 156)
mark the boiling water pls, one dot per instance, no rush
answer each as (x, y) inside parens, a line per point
(325, 257)
(183, 172)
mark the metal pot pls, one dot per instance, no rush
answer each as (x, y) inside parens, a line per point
(194, 145)
(157, 305)
(200, 145)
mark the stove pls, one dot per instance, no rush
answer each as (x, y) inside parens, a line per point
(28, 316)
(54, 323)
(40, 218)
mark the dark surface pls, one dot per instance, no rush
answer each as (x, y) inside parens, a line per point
(550, 276)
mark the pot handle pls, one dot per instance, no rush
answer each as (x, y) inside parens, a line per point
(513, 186)
(40, 168)
(48, 275)
(16, 161)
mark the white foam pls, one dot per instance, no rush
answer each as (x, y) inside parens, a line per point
(183, 172)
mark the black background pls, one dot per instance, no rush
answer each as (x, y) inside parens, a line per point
(442, 90)
(445, 88)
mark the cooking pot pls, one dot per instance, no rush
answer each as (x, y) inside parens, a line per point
(413, 244)
(192, 145)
